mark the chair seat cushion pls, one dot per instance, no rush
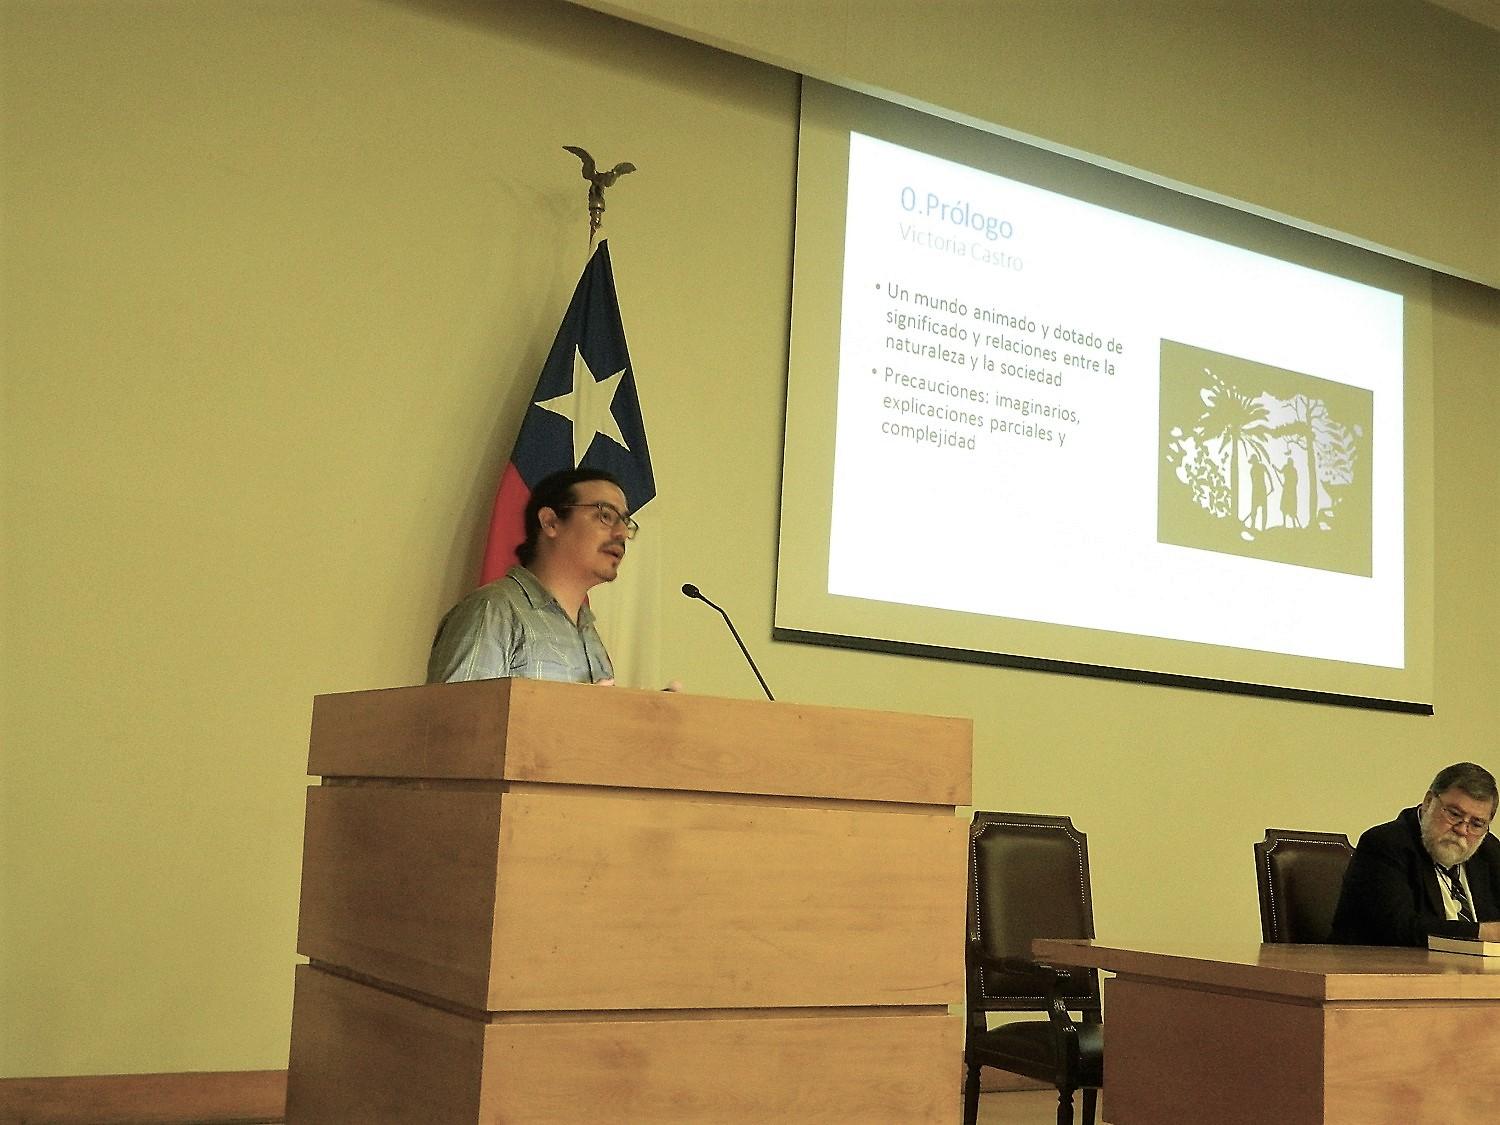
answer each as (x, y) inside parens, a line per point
(1028, 1047)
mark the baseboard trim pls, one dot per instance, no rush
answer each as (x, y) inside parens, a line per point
(224, 1097)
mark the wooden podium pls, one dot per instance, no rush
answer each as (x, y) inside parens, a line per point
(539, 902)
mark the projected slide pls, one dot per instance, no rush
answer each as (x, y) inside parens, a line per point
(1055, 412)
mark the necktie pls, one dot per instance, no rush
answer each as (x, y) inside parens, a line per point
(1456, 887)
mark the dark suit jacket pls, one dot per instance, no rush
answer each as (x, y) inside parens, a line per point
(1391, 896)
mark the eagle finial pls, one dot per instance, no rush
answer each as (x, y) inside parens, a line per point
(598, 181)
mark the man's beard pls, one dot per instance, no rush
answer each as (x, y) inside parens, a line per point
(1441, 843)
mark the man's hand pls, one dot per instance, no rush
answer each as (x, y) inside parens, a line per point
(610, 682)
(673, 685)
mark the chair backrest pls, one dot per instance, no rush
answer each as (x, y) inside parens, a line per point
(1300, 875)
(1028, 878)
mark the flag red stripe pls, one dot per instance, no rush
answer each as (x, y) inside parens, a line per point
(507, 525)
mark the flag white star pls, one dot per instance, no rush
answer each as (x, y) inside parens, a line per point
(587, 406)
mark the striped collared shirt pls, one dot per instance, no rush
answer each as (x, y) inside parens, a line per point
(514, 627)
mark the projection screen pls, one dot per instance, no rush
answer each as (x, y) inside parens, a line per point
(1045, 414)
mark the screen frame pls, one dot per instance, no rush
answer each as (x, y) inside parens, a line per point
(806, 614)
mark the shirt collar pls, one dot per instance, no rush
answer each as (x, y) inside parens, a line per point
(540, 597)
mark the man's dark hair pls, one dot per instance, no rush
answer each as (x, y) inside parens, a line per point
(1474, 780)
(555, 491)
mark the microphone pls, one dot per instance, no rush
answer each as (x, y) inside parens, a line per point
(693, 592)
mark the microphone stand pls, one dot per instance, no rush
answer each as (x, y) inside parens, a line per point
(693, 592)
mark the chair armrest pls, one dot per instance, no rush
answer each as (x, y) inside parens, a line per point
(1046, 974)
(1020, 966)
(1048, 981)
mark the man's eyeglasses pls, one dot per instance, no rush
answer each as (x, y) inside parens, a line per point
(1460, 819)
(610, 516)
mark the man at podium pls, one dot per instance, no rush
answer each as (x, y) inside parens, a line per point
(534, 622)
(1434, 870)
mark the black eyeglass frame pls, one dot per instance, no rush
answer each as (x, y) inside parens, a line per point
(609, 516)
(1457, 817)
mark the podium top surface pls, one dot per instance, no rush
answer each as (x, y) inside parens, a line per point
(1320, 973)
(579, 734)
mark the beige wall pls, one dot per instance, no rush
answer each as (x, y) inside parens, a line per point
(1377, 119)
(278, 278)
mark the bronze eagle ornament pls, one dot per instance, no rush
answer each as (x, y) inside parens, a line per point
(598, 181)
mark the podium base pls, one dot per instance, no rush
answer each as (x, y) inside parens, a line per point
(362, 1054)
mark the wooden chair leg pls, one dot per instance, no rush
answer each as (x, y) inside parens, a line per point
(1065, 1107)
(971, 1093)
(1090, 1104)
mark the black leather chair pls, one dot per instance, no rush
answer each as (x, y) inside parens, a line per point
(1029, 878)
(1300, 875)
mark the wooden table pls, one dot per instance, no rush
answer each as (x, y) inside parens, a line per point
(1247, 1034)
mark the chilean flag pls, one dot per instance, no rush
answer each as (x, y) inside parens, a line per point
(584, 412)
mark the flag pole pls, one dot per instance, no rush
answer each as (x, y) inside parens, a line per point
(630, 623)
(596, 218)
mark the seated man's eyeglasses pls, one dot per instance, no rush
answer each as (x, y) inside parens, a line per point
(610, 516)
(1460, 819)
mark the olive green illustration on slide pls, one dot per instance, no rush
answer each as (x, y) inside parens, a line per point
(1263, 462)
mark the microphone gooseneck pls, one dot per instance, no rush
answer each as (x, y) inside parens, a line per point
(696, 594)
